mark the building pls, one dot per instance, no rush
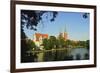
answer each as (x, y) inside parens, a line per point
(38, 37)
(63, 34)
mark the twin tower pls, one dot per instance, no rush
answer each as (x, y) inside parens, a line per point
(39, 36)
(64, 34)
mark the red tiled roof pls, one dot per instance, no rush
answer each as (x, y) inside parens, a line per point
(38, 35)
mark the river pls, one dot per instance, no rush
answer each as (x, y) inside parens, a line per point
(63, 55)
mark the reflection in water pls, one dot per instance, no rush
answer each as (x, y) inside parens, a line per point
(57, 55)
(80, 54)
(62, 55)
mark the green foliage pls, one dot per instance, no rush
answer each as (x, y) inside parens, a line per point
(30, 20)
(56, 43)
(30, 45)
(50, 43)
(27, 45)
(68, 42)
(61, 42)
(87, 44)
(46, 44)
(81, 43)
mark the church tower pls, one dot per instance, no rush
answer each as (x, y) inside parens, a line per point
(65, 35)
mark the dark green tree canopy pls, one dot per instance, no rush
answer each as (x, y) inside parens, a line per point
(32, 18)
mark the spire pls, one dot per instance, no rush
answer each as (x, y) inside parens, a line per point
(65, 33)
(65, 30)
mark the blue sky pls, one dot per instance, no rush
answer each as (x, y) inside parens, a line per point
(76, 26)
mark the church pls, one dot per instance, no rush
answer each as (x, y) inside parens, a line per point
(38, 37)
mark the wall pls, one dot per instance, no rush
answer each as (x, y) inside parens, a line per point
(5, 37)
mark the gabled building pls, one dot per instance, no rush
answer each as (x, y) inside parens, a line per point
(38, 37)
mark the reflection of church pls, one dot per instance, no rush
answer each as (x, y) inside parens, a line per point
(38, 37)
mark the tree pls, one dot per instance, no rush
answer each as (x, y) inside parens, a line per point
(82, 43)
(50, 43)
(31, 45)
(85, 15)
(53, 42)
(27, 45)
(30, 20)
(68, 43)
(61, 42)
(46, 44)
(87, 44)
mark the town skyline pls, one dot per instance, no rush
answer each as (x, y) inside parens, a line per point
(76, 26)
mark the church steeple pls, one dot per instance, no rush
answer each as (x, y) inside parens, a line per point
(65, 30)
(65, 34)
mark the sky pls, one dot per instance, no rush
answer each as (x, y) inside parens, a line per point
(76, 26)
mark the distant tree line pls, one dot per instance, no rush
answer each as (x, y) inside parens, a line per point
(56, 43)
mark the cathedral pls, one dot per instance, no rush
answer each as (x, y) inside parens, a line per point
(38, 37)
(63, 34)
